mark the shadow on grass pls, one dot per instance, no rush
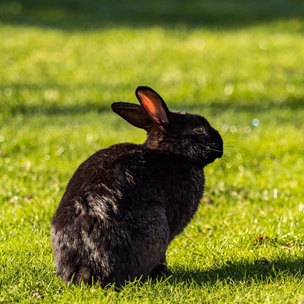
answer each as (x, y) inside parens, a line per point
(17, 104)
(61, 108)
(94, 14)
(242, 272)
(56, 109)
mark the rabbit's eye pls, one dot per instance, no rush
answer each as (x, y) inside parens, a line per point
(200, 130)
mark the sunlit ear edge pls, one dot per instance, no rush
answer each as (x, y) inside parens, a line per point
(154, 105)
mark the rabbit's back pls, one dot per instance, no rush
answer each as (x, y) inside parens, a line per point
(127, 176)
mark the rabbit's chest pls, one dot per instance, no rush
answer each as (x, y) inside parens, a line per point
(184, 202)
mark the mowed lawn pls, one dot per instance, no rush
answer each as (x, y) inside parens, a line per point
(238, 63)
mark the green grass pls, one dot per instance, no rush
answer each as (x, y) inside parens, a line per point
(61, 66)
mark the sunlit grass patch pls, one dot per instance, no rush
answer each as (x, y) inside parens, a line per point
(58, 79)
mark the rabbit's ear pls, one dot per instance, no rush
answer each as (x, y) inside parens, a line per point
(154, 106)
(133, 114)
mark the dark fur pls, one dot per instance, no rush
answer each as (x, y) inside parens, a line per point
(125, 204)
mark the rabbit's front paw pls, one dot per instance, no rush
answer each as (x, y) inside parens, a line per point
(161, 271)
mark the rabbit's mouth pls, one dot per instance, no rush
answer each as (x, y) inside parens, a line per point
(213, 155)
(215, 150)
(218, 153)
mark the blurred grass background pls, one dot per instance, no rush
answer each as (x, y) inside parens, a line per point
(238, 63)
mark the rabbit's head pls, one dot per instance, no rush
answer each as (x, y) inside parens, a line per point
(184, 134)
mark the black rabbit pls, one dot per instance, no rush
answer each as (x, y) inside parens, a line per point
(125, 204)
